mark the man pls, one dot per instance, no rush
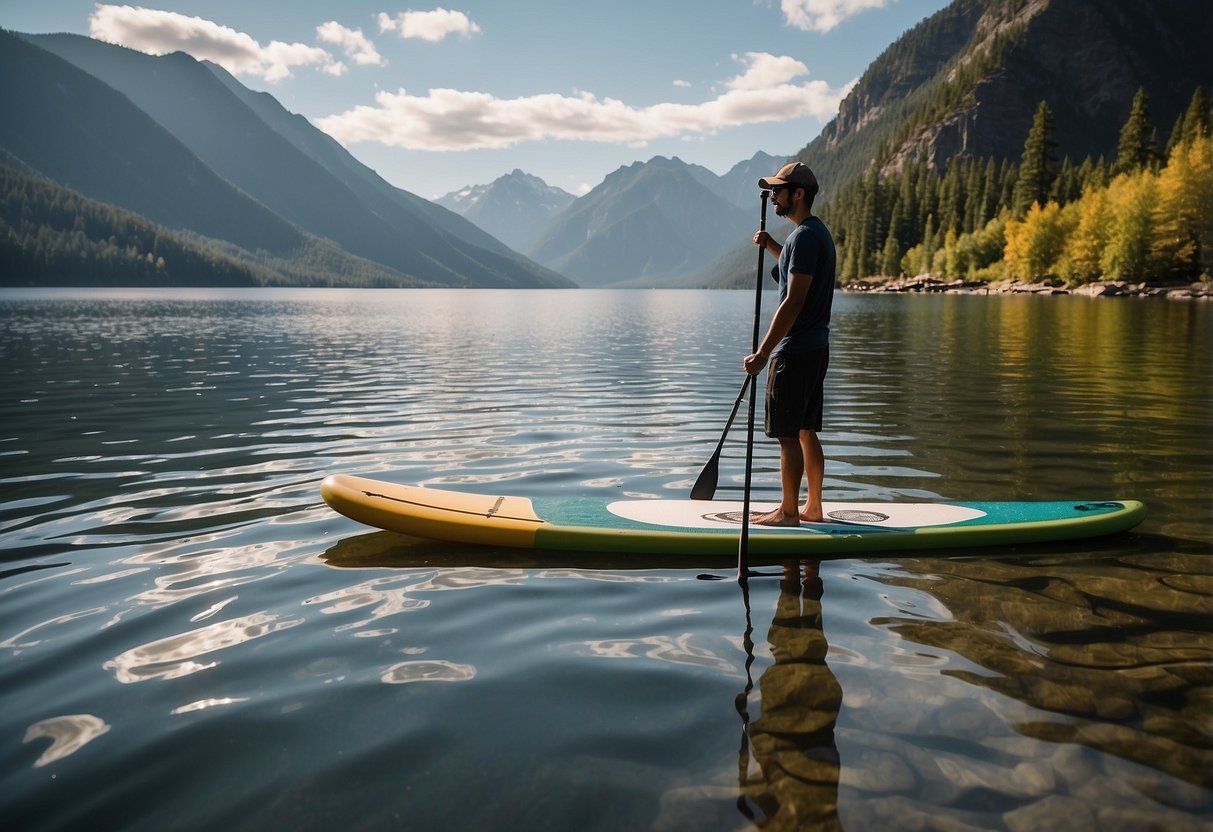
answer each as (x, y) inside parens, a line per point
(797, 344)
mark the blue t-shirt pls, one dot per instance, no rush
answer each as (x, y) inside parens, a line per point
(809, 249)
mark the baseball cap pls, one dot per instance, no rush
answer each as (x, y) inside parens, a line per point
(793, 173)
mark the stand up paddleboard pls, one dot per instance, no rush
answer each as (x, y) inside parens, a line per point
(699, 527)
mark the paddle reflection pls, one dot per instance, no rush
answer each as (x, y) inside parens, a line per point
(789, 765)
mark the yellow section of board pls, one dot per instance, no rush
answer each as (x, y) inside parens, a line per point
(432, 512)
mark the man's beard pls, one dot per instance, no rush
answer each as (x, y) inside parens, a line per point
(782, 210)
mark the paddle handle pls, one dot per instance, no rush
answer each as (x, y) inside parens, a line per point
(762, 250)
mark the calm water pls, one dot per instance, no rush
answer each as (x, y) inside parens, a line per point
(190, 639)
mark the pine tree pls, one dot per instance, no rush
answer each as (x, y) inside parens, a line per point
(892, 253)
(973, 197)
(890, 260)
(1196, 119)
(1038, 166)
(1138, 147)
(950, 207)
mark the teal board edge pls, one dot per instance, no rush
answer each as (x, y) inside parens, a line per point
(585, 524)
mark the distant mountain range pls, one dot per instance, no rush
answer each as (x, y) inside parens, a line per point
(654, 223)
(183, 144)
(515, 208)
(964, 83)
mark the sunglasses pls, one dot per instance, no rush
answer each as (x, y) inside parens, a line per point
(777, 188)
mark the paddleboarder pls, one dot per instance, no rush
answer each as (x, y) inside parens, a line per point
(797, 344)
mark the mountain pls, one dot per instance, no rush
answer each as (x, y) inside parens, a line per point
(174, 140)
(740, 184)
(966, 82)
(514, 208)
(648, 224)
(76, 130)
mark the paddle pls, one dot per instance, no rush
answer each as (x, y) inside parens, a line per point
(743, 543)
(705, 486)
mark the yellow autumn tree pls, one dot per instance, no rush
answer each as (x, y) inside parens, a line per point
(1132, 198)
(1084, 248)
(1183, 221)
(1035, 245)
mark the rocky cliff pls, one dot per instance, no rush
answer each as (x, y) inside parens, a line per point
(967, 81)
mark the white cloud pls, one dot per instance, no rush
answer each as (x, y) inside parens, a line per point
(356, 45)
(447, 119)
(823, 15)
(678, 82)
(765, 71)
(158, 32)
(432, 26)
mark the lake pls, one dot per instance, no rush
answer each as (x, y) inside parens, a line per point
(191, 639)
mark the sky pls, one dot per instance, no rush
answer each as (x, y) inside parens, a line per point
(438, 97)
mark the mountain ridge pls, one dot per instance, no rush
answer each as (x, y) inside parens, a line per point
(205, 136)
(514, 208)
(648, 224)
(967, 80)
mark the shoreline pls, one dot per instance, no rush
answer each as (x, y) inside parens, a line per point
(1200, 290)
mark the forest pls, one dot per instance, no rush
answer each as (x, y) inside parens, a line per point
(47, 229)
(1145, 216)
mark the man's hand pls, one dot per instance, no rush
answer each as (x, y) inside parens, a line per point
(762, 238)
(753, 364)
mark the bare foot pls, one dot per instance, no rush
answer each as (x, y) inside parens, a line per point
(812, 516)
(776, 518)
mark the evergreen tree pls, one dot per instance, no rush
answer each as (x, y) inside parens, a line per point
(1092, 174)
(950, 209)
(890, 260)
(869, 236)
(990, 193)
(1196, 119)
(974, 197)
(1138, 147)
(1038, 166)
(891, 255)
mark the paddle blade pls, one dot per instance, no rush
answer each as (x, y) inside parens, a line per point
(705, 486)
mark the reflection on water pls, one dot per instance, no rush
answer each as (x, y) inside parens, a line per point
(174, 657)
(160, 523)
(427, 671)
(789, 761)
(68, 734)
(1117, 655)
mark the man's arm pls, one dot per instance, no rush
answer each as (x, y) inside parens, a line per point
(781, 323)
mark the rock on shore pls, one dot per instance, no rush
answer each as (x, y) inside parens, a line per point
(1201, 290)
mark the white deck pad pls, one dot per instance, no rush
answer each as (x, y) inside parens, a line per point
(703, 514)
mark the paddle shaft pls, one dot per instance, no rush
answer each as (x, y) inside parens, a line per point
(743, 543)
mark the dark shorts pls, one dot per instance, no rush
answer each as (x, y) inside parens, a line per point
(795, 392)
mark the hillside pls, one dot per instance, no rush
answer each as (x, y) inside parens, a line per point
(47, 228)
(962, 90)
(966, 82)
(155, 135)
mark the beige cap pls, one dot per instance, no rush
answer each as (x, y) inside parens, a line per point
(793, 173)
